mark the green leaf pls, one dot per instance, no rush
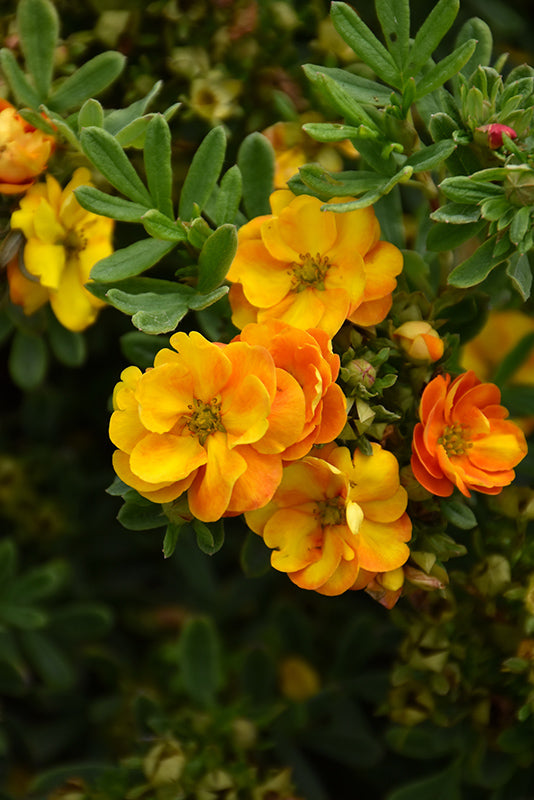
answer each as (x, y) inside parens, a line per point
(37, 119)
(514, 359)
(28, 360)
(170, 539)
(131, 260)
(456, 213)
(39, 582)
(442, 786)
(38, 27)
(459, 514)
(102, 149)
(345, 104)
(216, 257)
(119, 118)
(23, 617)
(157, 157)
(81, 621)
(357, 35)
(91, 114)
(135, 517)
(24, 92)
(519, 400)
(444, 236)
(63, 128)
(160, 226)
(68, 346)
(133, 134)
(48, 661)
(520, 224)
(462, 189)
(140, 348)
(255, 159)
(432, 32)
(200, 660)
(372, 196)
(520, 273)
(210, 538)
(8, 562)
(394, 18)
(229, 196)
(339, 184)
(330, 131)
(203, 173)
(255, 556)
(478, 266)
(89, 80)
(108, 205)
(445, 69)
(479, 30)
(432, 156)
(361, 89)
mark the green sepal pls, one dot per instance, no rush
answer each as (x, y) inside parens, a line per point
(255, 159)
(89, 80)
(203, 173)
(370, 50)
(38, 28)
(478, 266)
(23, 91)
(160, 226)
(157, 158)
(216, 257)
(132, 260)
(108, 205)
(103, 150)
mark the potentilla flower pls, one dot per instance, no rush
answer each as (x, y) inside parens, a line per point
(308, 368)
(63, 242)
(464, 438)
(208, 419)
(494, 133)
(312, 268)
(24, 151)
(334, 515)
(419, 341)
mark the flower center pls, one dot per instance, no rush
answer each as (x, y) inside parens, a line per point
(205, 418)
(454, 439)
(310, 273)
(74, 242)
(331, 511)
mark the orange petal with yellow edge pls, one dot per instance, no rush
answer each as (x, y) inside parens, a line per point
(382, 546)
(211, 490)
(165, 457)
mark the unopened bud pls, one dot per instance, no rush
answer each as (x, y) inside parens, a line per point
(494, 133)
(419, 341)
(164, 763)
(361, 372)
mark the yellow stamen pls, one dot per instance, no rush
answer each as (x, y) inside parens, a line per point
(205, 419)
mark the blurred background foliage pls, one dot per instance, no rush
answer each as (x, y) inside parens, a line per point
(124, 675)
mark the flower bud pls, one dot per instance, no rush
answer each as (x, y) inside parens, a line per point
(494, 133)
(298, 680)
(419, 341)
(164, 763)
(360, 371)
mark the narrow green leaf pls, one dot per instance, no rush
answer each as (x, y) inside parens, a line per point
(339, 184)
(81, 621)
(157, 157)
(229, 196)
(108, 205)
(345, 103)
(255, 159)
(462, 189)
(200, 660)
(131, 260)
(445, 69)
(203, 173)
(22, 616)
(478, 266)
(514, 359)
(459, 514)
(520, 273)
(480, 31)
(38, 27)
(330, 132)
(210, 538)
(24, 92)
(216, 257)
(141, 518)
(91, 114)
(63, 128)
(37, 120)
(120, 117)
(432, 156)
(170, 540)
(52, 666)
(361, 89)
(8, 561)
(89, 80)
(133, 134)
(357, 35)
(394, 18)
(456, 213)
(68, 346)
(520, 224)
(444, 236)
(160, 226)
(107, 155)
(40, 582)
(373, 195)
(432, 32)
(28, 360)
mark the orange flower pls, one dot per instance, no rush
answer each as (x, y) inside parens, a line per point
(312, 268)
(384, 587)
(209, 419)
(332, 516)
(24, 289)
(24, 151)
(419, 341)
(309, 368)
(464, 439)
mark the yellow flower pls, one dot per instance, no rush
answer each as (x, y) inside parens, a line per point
(312, 268)
(419, 341)
(210, 420)
(23, 290)
(332, 516)
(63, 242)
(24, 151)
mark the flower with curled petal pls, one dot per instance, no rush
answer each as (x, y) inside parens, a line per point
(24, 151)
(334, 515)
(312, 268)
(464, 439)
